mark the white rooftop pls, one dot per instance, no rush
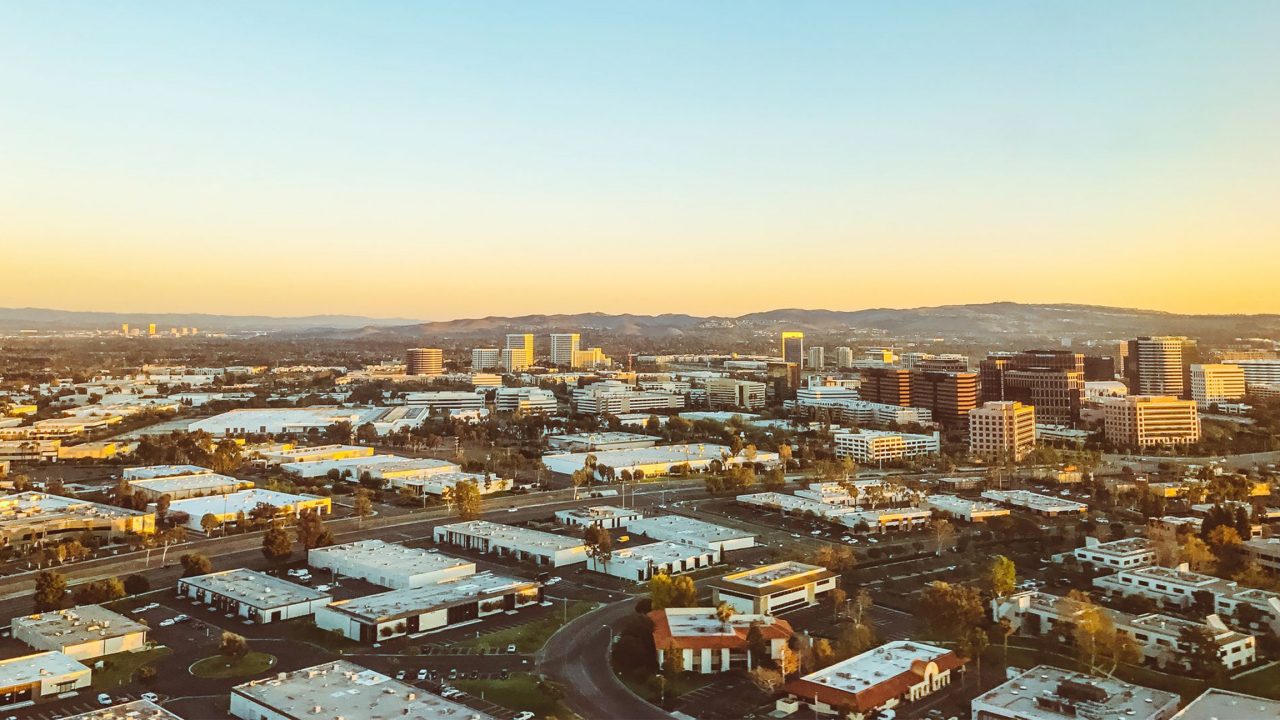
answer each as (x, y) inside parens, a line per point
(376, 554)
(684, 529)
(875, 666)
(415, 601)
(524, 537)
(242, 501)
(210, 482)
(658, 552)
(255, 589)
(1217, 704)
(78, 625)
(39, 667)
(148, 472)
(136, 710)
(1034, 501)
(1049, 693)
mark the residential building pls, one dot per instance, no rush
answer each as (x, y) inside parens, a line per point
(525, 400)
(1048, 693)
(31, 678)
(424, 361)
(1139, 421)
(774, 588)
(886, 385)
(1002, 430)
(1218, 704)
(641, 562)
(686, 530)
(949, 395)
(1213, 383)
(1043, 505)
(604, 516)
(959, 508)
(844, 357)
(31, 517)
(389, 564)
(341, 689)
(817, 357)
(885, 677)
(874, 446)
(563, 347)
(232, 507)
(485, 358)
(253, 596)
(793, 348)
(420, 608)
(84, 633)
(1157, 366)
(518, 353)
(540, 548)
(732, 393)
(708, 645)
(1123, 554)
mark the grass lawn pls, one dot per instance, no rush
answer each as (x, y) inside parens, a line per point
(532, 636)
(519, 692)
(304, 630)
(686, 682)
(222, 667)
(119, 669)
(1265, 683)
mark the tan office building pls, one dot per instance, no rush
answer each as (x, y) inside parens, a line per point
(1146, 420)
(1216, 382)
(1002, 430)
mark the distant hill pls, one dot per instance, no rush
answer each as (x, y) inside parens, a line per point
(13, 319)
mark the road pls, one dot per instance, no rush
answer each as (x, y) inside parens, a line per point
(577, 657)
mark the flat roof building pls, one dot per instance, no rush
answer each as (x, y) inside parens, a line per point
(594, 442)
(605, 516)
(84, 633)
(316, 453)
(1146, 420)
(896, 672)
(642, 562)
(874, 446)
(1044, 505)
(388, 564)
(656, 461)
(273, 421)
(148, 472)
(182, 487)
(536, 546)
(341, 689)
(30, 516)
(31, 677)
(1218, 704)
(1048, 693)
(416, 609)
(252, 595)
(965, 509)
(1002, 429)
(136, 710)
(347, 467)
(228, 507)
(708, 645)
(770, 589)
(1126, 553)
(681, 529)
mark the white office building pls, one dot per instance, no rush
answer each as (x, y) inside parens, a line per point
(84, 633)
(605, 516)
(253, 596)
(615, 398)
(641, 562)
(388, 564)
(870, 446)
(444, 401)
(1123, 554)
(688, 531)
(525, 400)
(29, 678)
(1044, 505)
(485, 358)
(540, 548)
(959, 508)
(1048, 693)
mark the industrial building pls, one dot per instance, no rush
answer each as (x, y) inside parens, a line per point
(1048, 693)
(771, 589)
(540, 548)
(34, 516)
(688, 531)
(316, 454)
(642, 562)
(388, 564)
(1218, 704)
(1044, 505)
(181, 487)
(605, 516)
(275, 421)
(30, 678)
(599, 441)
(959, 508)
(1120, 554)
(254, 596)
(84, 633)
(656, 461)
(232, 506)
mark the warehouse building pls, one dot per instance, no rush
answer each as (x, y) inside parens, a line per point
(605, 516)
(32, 677)
(1043, 505)
(656, 461)
(350, 467)
(600, 441)
(275, 421)
(1048, 693)
(540, 548)
(150, 472)
(34, 516)
(252, 595)
(965, 509)
(642, 562)
(680, 529)
(136, 710)
(771, 589)
(84, 633)
(388, 564)
(412, 610)
(231, 506)
(181, 487)
(316, 454)
(1217, 704)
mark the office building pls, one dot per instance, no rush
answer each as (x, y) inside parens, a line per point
(1158, 366)
(1003, 430)
(1053, 381)
(35, 517)
(774, 588)
(274, 421)
(817, 357)
(1218, 704)
(886, 386)
(232, 507)
(1258, 370)
(341, 690)
(286, 454)
(388, 564)
(876, 446)
(1123, 554)
(1099, 368)
(420, 608)
(688, 531)
(897, 672)
(253, 596)
(525, 400)
(590, 442)
(84, 633)
(731, 393)
(1048, 693)
(958, 508)
(656, 461)
(590, 359)
(844, 357)
(639, 563)
(616, 398)
(30, 678)
(948, 395)
(485, 358)
(783, 379)
(708, 645)
(1213, 383)
(563, 348)
(605, 516)
(793, 348)
(540, 548)
(1043, 505)
(518, 353)
(1139, 421)
(181, 487)
(424, 361)
(444, 401)
(136, 710)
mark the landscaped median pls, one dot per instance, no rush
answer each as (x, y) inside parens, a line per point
(519, 692)
(224, 667)
(530, 637)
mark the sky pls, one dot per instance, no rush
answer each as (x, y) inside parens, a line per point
(441, 160)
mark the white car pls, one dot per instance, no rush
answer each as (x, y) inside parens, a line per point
(150, 697)
(399, 674)
(166, 622)
(511, 509)
(433, 550)
(422, 674)
(872, 540)
(104, 699)
(181, 618)
(323, 588)
(526, 715)
(511, 648)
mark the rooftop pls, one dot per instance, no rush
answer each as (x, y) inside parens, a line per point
(342, 689)
(1034, 501)
(873, 667)
(684, 529)
(231, 503)
(658, 552)
(415, 601)
(628, 457)
(597, 512)
(78, 625)
(136, 710)
(148, 472)
(196, 483)
(518, 535)
(251, 419)
(1122, 547)
(768, 579)
(379, 554)
(256, 589)
(34, 506)
(36, 668)
(1217, 704)
(1049, 693)
(602, 438)
(700, 627)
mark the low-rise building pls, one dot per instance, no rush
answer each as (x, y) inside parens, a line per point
(885, 677)
(1140, 421)
(658, 460)
(1266, 551)
(1043, 505)
(388, 564)
(351, 467)
(709, 645)
(536, 546)
(420, 608)
(688, 531)
(1048, 693)
(887, 519)
(605, 516)
(1121, 554)
(873, 446)
(29, 451)
(84, 633)
(435, 484)
(525, 400)
(599, 441)
(254, 596)
(30, 678)
(733, 393)
(1171, 587)
(316, 453)
(1218, 704)
(341, 689)
(136, 710)
(642, 562)
(774, 588)
(181, 487)
(445, 401)
(230, 507)
(959, 508)
(614, 397)
(275, 421)
(34, 516)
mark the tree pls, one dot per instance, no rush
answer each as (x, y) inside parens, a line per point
(757, 646)
(860, 605)
(51, 588)
(195, 564)
(233, 645)
(367, 434)
(852, 639)
(162, 506)
(209, 522)
(1006, 629)
(724, 611)
(1002, 576)
(467, 495)
(599, 545)
(672, 662)
(339, 433)
(974, 644)
(1099, 646)
(666, 591)
(1196, 554)
(947, 612)
(1199, 651)
(766, 680)
(837, 596)
(312, 532)
(226, 457)
(784, 456)
(659, 685)
(136, 585)
(944, 535)
(276, 544)
(362, 505)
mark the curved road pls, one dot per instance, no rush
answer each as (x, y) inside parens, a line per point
(577, 657)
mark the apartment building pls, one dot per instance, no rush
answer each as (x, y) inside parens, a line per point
(844, 357)
(1002, 430)
(1213, 383)
(817, 357)
(1140, 421)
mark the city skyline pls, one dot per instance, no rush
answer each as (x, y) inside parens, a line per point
(495, 162)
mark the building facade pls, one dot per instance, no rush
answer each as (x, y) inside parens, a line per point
(1002, 430)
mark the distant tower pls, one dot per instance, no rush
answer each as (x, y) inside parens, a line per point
(1157, 366)
(424, 361)
(124, 329)
(151, 329)
(564, 346)
(793, 348)
(518, 354)
(817, 357)
(844, 357)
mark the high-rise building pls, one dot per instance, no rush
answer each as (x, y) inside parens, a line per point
(424, 361)
(563, 347)
(1004, 430)
(518, 354)
(784, 379)
(151, 329)
(485, 358)
(1157, 366)
(817, 357)
(887, 386)
(1258, 370)
(590, 358)
(1216, 383)
(793, 348)
(1139, 421)
(1051, 380)
(124, 328)
(1122, 358)
(844, 357)
(1098, 369)
(950, 395)
(731, 393)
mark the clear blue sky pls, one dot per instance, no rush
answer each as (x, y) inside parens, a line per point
(455, 159)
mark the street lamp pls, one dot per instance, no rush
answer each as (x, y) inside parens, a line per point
(610, 629)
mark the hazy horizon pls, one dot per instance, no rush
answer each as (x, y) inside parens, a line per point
(437, 161)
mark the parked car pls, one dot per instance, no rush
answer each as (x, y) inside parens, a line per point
(181, 618)
(526, 715)
(511, 648)
(104, 699)
(150, 697)
(422, 674)
(400, 674)
(167, 622)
